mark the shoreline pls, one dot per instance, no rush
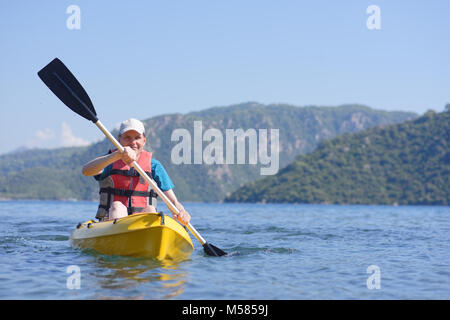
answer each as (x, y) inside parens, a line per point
(395, 205)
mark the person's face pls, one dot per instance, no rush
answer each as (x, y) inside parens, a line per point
(133, 139)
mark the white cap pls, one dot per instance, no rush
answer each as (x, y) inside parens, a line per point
(131, 124)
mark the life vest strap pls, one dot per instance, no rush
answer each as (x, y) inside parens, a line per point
(128, 193)
(130, 210)
(128, 173)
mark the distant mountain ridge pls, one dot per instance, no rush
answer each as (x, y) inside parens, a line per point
(56, 173)
(406, 163)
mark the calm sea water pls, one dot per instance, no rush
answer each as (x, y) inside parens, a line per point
(275, 252)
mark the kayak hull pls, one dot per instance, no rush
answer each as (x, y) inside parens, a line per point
(149, 235)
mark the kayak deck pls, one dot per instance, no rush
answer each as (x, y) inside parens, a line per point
(150, 235)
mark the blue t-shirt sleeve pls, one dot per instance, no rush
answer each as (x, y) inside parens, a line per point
(105, 173)
(160, 176)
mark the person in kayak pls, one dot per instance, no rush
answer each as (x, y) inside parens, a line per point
(122, 190)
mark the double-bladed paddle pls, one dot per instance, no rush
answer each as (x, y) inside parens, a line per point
(66, 87)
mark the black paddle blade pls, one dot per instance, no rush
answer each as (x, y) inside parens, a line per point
(211, 250)
(66, 87)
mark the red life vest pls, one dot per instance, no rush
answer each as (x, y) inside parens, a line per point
(126, 185)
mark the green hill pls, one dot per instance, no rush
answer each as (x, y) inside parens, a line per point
(56, 174)
(405, 164)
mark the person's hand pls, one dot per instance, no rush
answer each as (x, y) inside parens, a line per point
(183, 216)
(128, 155)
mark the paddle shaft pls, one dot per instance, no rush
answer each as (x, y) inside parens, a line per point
(150, 181)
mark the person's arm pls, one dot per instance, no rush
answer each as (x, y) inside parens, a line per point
(184, 217)
(96, 166)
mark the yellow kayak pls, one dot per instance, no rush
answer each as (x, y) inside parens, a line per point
(151, 235)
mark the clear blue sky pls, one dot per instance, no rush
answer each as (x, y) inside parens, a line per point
(146, 58)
